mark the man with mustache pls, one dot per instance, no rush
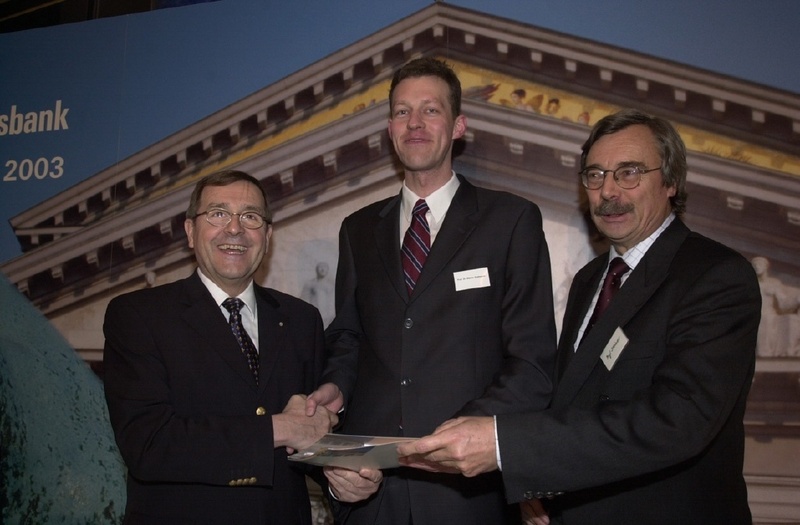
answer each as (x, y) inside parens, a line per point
(645, 426)
(202, 376)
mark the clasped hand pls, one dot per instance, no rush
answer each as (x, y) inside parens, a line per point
(296, 430)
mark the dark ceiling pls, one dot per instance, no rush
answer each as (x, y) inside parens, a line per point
(19, 15)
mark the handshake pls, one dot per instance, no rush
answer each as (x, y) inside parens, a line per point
(463, 445)
(298, 426)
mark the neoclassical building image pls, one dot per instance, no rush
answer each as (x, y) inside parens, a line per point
(317, 141)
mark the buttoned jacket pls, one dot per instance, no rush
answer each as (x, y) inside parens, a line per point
(455, 346)
(194, 428)
(646, 424)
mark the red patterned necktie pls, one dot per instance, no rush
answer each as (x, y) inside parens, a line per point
(416, 245)
(611, 284)
(245, 343)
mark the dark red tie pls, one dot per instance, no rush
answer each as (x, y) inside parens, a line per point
(416, 245)
(611, 284)
(245, 343)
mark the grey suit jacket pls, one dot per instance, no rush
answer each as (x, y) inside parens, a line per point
(447, 350)
(192, 425)
(658, 437)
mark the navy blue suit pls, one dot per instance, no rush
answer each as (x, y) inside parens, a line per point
(192, 425)
(658, 438)
(446, 350)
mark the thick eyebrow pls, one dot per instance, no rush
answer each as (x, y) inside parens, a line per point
(631, 163)
(226, 207)
(423, 103)
(623, 164)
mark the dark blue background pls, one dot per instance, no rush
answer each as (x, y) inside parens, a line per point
(131, 81)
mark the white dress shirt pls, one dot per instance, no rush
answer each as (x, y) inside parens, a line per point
(632, 258)
(438, 204)
(249, 312)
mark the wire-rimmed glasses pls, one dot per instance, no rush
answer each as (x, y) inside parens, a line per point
(219, 217)
(626, 177)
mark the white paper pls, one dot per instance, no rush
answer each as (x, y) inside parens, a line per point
(352, 452)
(614, 348)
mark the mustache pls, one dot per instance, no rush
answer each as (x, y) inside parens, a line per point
(612, 208)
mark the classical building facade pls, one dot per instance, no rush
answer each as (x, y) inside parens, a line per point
(317, 140)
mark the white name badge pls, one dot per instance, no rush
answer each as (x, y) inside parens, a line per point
(468, 279)
(614, 348)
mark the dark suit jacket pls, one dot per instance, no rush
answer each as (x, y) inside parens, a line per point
(194, 429)
(422, 360)
(659, 438)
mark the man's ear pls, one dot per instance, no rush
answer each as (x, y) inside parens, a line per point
(268, 233)
(188, 227)
(459, 127)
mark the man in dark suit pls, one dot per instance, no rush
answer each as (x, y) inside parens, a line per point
(473, 333)
(203, 408)
(645, 425)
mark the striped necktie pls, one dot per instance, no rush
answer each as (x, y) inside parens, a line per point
(416, 245)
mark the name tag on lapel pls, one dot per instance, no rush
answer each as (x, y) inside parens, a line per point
(468, 279)
(614, 348)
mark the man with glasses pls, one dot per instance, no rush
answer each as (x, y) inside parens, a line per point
(202, 376)
(645, 425)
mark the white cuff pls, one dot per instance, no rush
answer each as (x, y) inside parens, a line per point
(496, 446)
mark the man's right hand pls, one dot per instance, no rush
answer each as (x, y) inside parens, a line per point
(465, 444)
(295, 430)
(327, 395)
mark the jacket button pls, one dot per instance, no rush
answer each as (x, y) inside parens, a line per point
(408, 323)
(604, 397)
(405, 382)
(528, 495)
(260, 411)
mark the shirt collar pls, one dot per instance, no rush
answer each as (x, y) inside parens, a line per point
(248, 296)
(637, 252)
(438, 201)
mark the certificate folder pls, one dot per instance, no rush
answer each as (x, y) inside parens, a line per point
(352, 452)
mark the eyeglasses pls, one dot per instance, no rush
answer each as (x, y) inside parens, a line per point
(219, 217)
(626, 177)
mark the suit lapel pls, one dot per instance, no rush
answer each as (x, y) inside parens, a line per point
(461, 219)
(580, 297)
(204, 316)
(638, 288)
(272, 326)
(387, 242)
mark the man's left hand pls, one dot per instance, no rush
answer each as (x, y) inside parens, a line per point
(350, 486)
